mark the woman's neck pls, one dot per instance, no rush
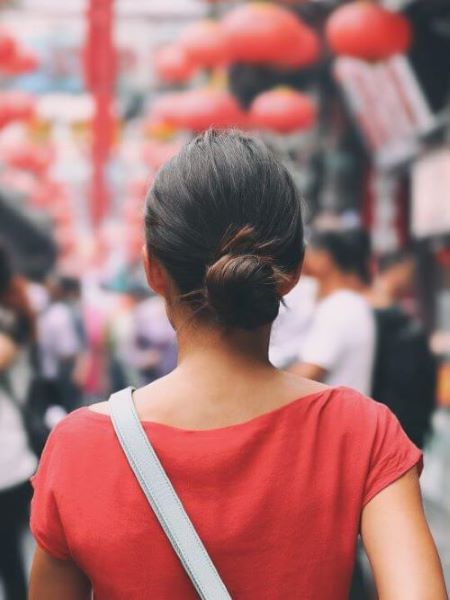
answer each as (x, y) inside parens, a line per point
(203, 347)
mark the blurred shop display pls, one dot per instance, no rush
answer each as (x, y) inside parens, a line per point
(431, 194)
(390, 122)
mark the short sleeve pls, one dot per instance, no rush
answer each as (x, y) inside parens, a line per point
(392, 453)
(325, 339)
(45, 522)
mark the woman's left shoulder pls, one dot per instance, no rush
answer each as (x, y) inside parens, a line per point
(356, 409)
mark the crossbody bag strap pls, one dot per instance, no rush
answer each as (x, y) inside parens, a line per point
(163, 498)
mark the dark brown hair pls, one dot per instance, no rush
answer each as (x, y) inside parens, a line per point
(224, 218)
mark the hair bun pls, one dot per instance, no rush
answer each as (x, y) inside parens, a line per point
(241, 290)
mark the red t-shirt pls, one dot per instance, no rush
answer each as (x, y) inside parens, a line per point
(276, 500)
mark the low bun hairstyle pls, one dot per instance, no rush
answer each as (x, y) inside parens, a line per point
(224, 219)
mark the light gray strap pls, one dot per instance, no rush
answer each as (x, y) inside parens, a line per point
(163, 498)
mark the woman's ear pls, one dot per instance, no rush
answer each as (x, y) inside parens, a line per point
(156, 276)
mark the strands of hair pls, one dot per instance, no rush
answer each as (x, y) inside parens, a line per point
(224, 218)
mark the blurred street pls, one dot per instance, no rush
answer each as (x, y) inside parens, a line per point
(97, 100)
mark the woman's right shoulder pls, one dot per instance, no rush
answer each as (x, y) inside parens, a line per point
(81, 428)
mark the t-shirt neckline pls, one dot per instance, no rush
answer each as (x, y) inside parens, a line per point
(249, 423)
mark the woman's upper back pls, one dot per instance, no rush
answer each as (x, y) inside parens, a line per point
(276, 500)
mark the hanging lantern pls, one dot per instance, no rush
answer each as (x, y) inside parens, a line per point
(307, 53)
(7, 47)
(26, 62)
(266, 33)
(368, 31)
(20, 63)
(198, 110)
(282, 110)
(205, 43)
(173, 65)
(163, 113)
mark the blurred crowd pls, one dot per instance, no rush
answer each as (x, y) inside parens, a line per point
(351, 321)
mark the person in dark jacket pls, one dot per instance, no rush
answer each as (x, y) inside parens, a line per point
(405, 369)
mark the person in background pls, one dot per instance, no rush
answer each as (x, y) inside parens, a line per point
(17, 461)
(155, 346)
(61, 342)
(405, 370)
(292, 323)
(339, 345)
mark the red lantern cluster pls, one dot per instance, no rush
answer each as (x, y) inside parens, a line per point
(282, 110)
(8, 47)
(205, 44)
(14, 59)
(270, 34)
(22, 62)
(255, 32)
(173, 65)
(15, 106)
(368, 31)
(198, 110)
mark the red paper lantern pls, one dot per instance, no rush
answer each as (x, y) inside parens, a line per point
(282, 110)
(368, 31)
(163, 112)
(21, 62)
(198, 110)
(308, 51)
(205, 43)
(7, 46)
(267, 33)
(173, 65)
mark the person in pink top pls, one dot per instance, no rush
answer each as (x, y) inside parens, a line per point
(279, 474)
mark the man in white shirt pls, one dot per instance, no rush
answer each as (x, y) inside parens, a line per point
(293, 322)
(339, 345)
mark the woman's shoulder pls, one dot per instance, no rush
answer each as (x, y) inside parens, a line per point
(356, 411)
(78, 428)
